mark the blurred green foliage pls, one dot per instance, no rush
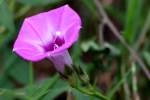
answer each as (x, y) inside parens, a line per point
(109, 65)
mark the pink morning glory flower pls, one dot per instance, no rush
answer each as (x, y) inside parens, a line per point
(49, 35)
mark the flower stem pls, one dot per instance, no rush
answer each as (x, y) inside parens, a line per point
(80, 81)
(30, 74)
(79, 77)
(92, 92)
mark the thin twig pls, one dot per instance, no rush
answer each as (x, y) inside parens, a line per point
(116, 33)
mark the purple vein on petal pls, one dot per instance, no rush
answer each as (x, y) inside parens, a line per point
(36, 32)
(61, 17)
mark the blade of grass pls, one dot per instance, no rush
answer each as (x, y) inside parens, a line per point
(117, 86)
(144, 32)
(132, 17)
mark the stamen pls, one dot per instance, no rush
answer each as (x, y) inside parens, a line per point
(55, 46)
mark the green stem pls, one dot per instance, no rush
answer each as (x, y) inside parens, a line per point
(31, 74)
(80, 76)
(92, 92)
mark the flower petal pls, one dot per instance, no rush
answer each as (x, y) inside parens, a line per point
(43, 27)
(60, 60)
(62, 18)
(30, 52)
(28, 43)
(69, 18)
(72, 34)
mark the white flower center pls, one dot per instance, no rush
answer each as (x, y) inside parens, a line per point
(58, 33)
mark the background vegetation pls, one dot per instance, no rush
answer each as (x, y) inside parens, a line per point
(114, 49)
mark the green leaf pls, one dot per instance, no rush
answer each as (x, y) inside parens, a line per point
(132, 19)
(6, 94)
(60, 87)
(6, 62)
(6, 97)
(39, 90)
(114, 51)
(15, 67)
(20, 71)
(5, 82)
(89, 44)
(9, 94)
